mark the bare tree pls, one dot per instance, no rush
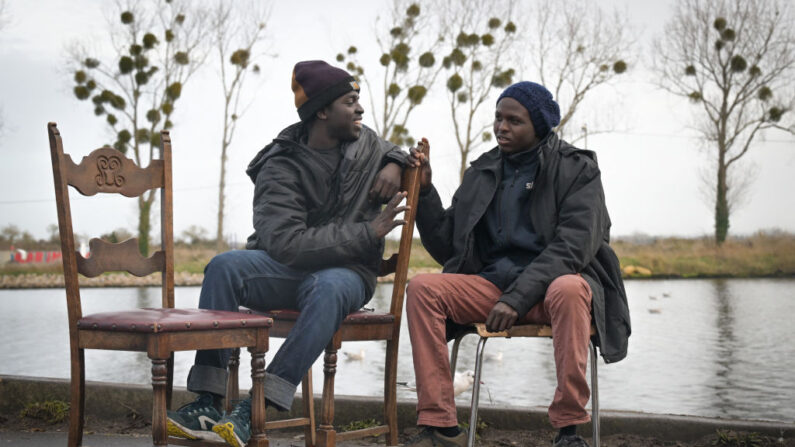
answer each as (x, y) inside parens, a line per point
(480, 36)
(576, 48)
(408, 67)
(195, 235)
(734, 60)
(156, 50)
(236, 34)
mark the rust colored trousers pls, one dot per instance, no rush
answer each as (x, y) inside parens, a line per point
(433, 298)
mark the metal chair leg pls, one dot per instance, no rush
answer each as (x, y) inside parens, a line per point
(454, 354)
(473, 410)
(594, 395)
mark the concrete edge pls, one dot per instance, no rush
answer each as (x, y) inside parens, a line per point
(116, 401)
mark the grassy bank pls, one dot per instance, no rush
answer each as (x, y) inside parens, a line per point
(761, 255)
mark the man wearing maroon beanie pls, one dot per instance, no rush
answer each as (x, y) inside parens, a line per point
(317, 244)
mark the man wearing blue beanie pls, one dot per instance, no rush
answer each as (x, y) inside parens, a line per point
(524, 241)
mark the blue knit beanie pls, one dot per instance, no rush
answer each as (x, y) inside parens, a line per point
(544, 111)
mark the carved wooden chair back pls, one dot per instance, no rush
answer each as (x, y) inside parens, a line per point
(157, 331)
(107, 170)
(363, 325)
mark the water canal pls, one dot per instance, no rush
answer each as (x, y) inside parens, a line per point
(719, 348)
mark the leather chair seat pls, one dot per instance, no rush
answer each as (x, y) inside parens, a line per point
(169, 320)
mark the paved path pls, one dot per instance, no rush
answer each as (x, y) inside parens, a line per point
(52, 439)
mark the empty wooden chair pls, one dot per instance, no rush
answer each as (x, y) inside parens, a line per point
(158, 331)
(519, 330)
(359, 326)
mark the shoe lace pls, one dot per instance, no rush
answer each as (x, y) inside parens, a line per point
(202, 404)
(242, 411)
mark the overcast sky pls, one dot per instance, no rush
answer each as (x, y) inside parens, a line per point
(650, 168)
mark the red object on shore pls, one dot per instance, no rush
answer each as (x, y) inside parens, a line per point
(20, 256)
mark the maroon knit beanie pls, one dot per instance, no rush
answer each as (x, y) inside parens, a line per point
(317, 84)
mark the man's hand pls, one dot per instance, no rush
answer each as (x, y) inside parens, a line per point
(501, 318)
(385, 222)
(419, 159)
(386, 183)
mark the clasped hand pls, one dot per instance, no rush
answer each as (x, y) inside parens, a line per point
(501, 318)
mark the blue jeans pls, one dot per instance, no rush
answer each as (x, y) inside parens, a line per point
(253, 279)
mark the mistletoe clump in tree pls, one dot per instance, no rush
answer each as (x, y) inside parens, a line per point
(135, 90)
(734, 60)
(237, 35)
(408, 69)
(577, 48)
(476, 65)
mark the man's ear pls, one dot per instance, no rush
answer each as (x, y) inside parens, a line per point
(322, 114)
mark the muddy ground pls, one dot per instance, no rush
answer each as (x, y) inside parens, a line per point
(488, 437)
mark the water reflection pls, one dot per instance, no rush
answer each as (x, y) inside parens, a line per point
(725, 346)
(144, 298)
(701, 347)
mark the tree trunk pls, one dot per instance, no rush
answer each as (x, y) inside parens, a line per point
(463, 167)
(721, 205)
(144, 206)
(219, 235)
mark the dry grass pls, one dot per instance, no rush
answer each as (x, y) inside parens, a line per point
(763, 254)
(192, 259)
(420, 258)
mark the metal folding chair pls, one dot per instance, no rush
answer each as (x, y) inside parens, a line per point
(521, 330)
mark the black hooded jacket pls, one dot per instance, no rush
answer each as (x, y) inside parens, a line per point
(570, 218)
(309, 217)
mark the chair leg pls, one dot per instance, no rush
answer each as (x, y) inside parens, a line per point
(159, 383)
(594, 396)
(473, 409)
(326, 435)
(309, 409)
(390, 391)
(77, 398)
(233, 384)
(169, 380)
(454, 354)
(258, 437)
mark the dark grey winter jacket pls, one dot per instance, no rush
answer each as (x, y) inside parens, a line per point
(568, 212)
(309, 217)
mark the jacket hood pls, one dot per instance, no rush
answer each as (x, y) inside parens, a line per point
(287, 139)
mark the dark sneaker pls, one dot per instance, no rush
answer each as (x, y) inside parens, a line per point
(429, 437)
(569, 441)
(195, 420)
(235, 427)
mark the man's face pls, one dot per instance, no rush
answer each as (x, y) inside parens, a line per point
(344, 117)
(512, 127)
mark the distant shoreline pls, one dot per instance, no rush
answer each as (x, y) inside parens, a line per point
(186, 279)
(763, 255)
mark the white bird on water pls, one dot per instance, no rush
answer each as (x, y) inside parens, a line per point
(493, 357)
(354, 355)
(463, 381)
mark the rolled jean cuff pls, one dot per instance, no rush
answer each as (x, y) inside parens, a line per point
(279, 392)
(207, 379)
